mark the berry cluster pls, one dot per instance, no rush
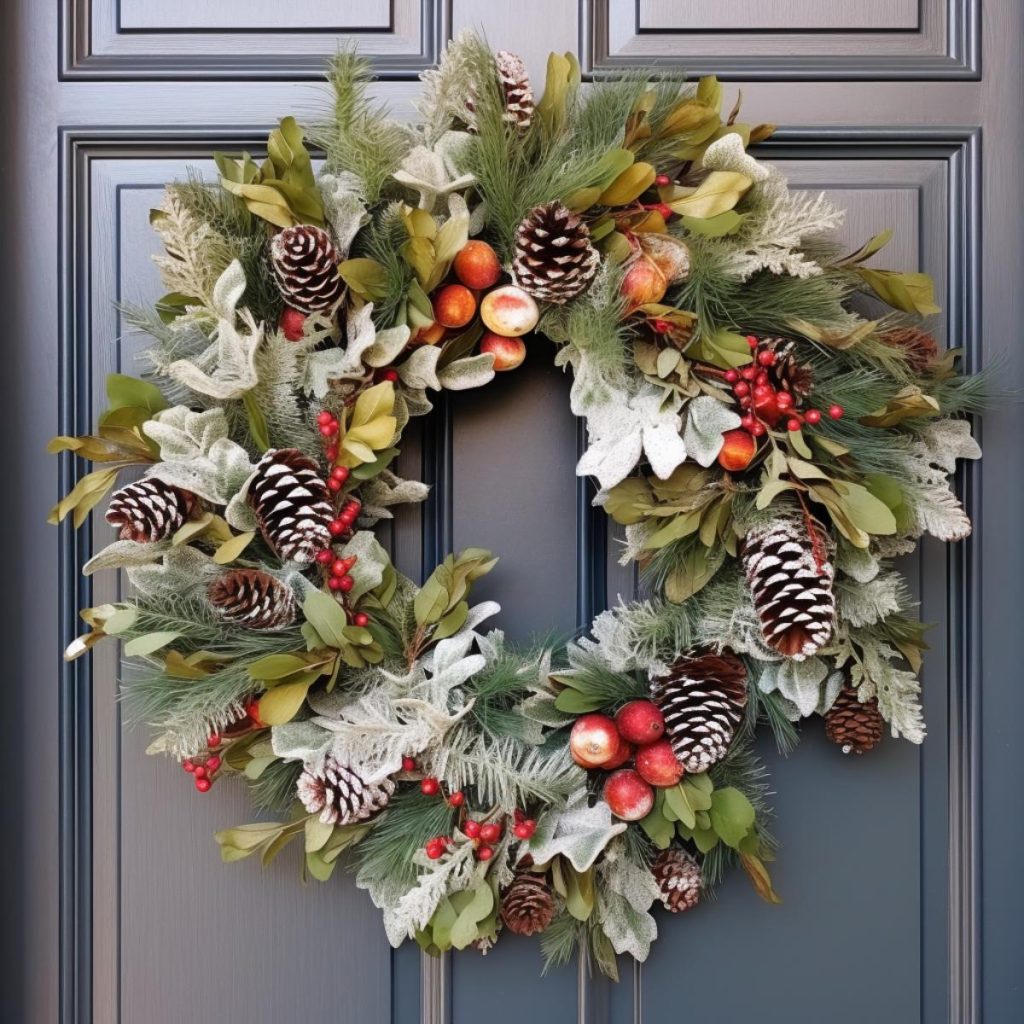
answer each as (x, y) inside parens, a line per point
(346, 518)
(763, 403)
(204, 767)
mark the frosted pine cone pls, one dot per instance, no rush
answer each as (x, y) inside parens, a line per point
(339, 794)
(305, 264)
(254, 599)
(292, 504)
(554, 259)
(678, 878)
(149, 510)
(515, 83)
(527, 905)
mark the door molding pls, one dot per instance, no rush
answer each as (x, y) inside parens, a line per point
(79, 148)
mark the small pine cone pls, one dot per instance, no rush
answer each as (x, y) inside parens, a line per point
(253, 599)
(678, 878)
(340, 795)
(790, 575)
(149, 510)
(920, 348)
(857, 727)
(554, 259)
(527, 905)
(292, 504)
(305, 264)
(787, 373)
(515, 83)
(702, 697)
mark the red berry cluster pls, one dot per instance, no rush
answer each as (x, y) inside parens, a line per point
(346, 518)
(204, 767)
(338, 478)
(765, 405)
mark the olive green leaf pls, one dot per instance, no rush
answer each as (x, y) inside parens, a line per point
(719, 192)
(910, 403)
(909, 292)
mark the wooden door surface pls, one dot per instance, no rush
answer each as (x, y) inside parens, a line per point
(903, 900)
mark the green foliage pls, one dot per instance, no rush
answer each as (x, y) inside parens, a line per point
(590, 685)
(274, 788)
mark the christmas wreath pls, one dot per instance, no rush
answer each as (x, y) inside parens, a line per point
(765, 416)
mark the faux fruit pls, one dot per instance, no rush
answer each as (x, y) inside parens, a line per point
(657, 764)
(626, 751)
(429, 335)
(508, 352)
(640, 721)
(628, 796)
(508, 311)
(644, 282)
(454, 306)
(738, 449)
(476, 265)
(292, 324)
(594, 741)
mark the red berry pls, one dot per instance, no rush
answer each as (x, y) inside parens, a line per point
(334, 583)
(836, 412)
(353, 506)
(522, 831)
(766, 358)
(199, 771)
(484, 853)
(212, 763)
(742, 388)
(329, 429)
(291, 324)
(758, 429)
(336, 526)
(332, 453)
(188, 765)
(745, 402)
(472, 829)
(662, 326)
(784, 400)
(748, 372)
(813, 416)
(323, 557)
(408, 764)
(390, 375)
(457, 799)
(334, 485)
(339, 567)
(340, 473)
(491, 832)
(252, 709)
(434, 849)
(346, 583)
(665, 210)
(203, 785)
(325, 417)
(662, 180)
(761, 378)
(748, 423)
(429, 786)
(361, 619)
(762, 391)
(731, 376)
(531, 825)
(751, 341)
(793, 424)
(214, 741)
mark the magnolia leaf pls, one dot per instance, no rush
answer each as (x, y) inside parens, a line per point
(148, 643)
(867, 250)
(629, 185)
(758, 874)
(722, 348)
(732, 815)
(327, 617)
(727, 223)
(866, 511)
(478, 906)
(719, 192)
(232, 549)
(629, 501)
(692, 572)
(130, 392)
(282, 703)
(909, 292)
(910, 403)
(563, 79)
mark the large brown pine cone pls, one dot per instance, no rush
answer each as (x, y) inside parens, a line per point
(292, 504)
(678, 878)
(527, 905)
(789, 572)
(857, 727)
(149, 510)
(252, 598)
(339, 794)
(702, 698)
(554, 259)
(305, 264)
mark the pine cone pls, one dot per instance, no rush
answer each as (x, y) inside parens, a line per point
(920, 349)
(292, 504)
(149, 510)
(787, 373)
(702, 698)
(790, 578)
(678, 877)
(554, 260)
(527, 905)
(254, 599)
(339, 794)
(305, 264)
(515, 83)
(857, 727)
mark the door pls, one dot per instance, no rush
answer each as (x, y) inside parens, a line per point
(903, 900)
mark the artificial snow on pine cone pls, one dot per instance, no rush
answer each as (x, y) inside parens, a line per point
(678, 878)
(789, 572)
(527, 905)
(292, 504)
(855, 726)
(787, 372)
(515, 84)
(305, 264)
(702, 697)
(554, 259)
(254, 599)
(149, 510)
(339, 794)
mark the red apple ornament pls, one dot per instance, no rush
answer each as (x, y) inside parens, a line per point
(476, 265)
(658, 765)
(454, 306)
(738, 449)
(594, 741)
(628, 796)
(508, 352)
(509, 311)
(626, 751)
(640, 721)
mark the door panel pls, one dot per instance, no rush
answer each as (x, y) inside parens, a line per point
(881, 861)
